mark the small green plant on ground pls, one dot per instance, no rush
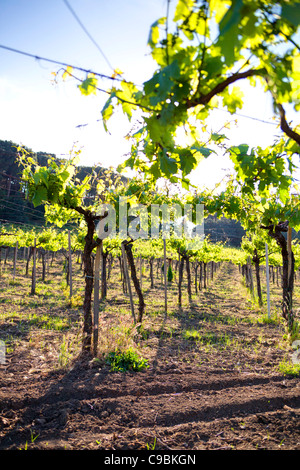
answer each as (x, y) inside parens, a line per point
(122, 361)
(273, 319)
(290, 369)
(151, 446)
(192, 334)
(69, 348)
(208, 338)
(143, 332)
(33, 437)
(49, 322)
(294, 333)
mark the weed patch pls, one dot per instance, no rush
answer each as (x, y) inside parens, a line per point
(289, 369)
(123, 361)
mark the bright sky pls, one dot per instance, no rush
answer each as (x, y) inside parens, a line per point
(44, 116)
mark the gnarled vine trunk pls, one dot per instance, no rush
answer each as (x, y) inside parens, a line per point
(30, 252)
(135, 280)
(151, 260)
(287, 285)
(104, 275)
(256, 260)
(189, 281)
(275, 231)
(87, 259)
(180, 277)
(89, 284)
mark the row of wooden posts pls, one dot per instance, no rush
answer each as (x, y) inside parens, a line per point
(247, 270)
(97, 277)
(34, 256)
(124, 268)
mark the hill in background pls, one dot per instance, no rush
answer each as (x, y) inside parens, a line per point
(13, 205)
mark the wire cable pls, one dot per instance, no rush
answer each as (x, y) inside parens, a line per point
(87, 33)
(116, 78)
(12, 222)
(4, 206)
(34, 212)
(245, 116)
(57, 62)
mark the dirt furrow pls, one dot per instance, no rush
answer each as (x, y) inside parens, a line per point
(197, 393)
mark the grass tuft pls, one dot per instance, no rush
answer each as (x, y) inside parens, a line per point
(123, 361)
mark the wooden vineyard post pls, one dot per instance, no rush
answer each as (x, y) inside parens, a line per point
(6, 254)
(15, 259)
(268, 280)
(128, 281)
(290, 280)
(204, 276)
(70, 265)
(165, 277)
(249, 267)
(141, 271)
(48, 261)
(96, 296)
(289, 247)
(33, 281)
(178, 266)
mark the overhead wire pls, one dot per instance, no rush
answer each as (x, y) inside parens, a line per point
(32, 209)
(32, 214)
(87, 33)
(57, 62)
(42, 227)
(113, 77)
(7, 199)
(12, 222)
(214, 108)
(246, 116)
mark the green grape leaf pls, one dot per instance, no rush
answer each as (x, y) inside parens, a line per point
(291, 13)
(233, 100)
(107, 110)
(88, 86)
(40, 196)
(168, 165)
(232, 17)
(206, 152)
(183, 9)
(161, 84)
(188, 161)
(154, 32)
(127, 98)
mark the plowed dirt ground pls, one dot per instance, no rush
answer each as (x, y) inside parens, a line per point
(213, 380)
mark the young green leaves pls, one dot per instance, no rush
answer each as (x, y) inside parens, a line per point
(263, 170)
(89, 85)
(55, 186)
(201, 56)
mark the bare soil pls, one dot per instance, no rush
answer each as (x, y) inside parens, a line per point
(220, 390)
